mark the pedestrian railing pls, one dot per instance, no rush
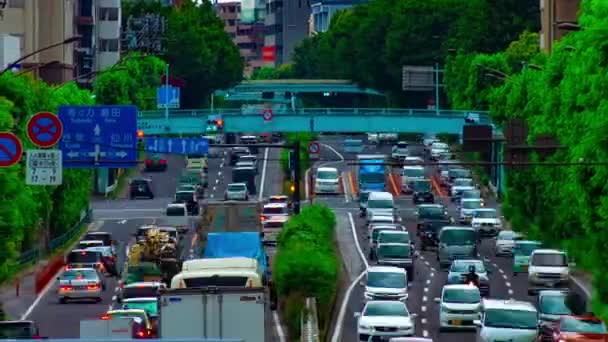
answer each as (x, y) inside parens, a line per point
(33, 255)
(309, 322)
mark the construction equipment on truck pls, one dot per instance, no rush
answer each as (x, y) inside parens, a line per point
(158, 247)
(213, 312)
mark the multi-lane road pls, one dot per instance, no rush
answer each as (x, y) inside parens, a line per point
(429, 278)
(122, 217)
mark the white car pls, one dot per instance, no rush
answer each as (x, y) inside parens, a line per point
(410, 173)
(507, 320)
(429, 140)
(388, 136)
(459, 185)
(400, 151)
(437, 148)
(459, 306)
(327, 180)
(467, 209)
(236, 191)
(486, 221)
(273, 210)
(385, 283)
(548, 269)
(505, 242)
(385, 319)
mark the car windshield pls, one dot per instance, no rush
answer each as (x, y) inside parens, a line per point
(511, 319)
(372, 178)
(459, 173)
(582, 325)
(402, 237)
(458, 237)
(507, 235)
(139, 291)
(554, 305)
(237, 187)
(184, 196)
(381, 204)
(386, 280)
(461, 296)
(471, 194)
(128, 314)
(176, 211)
(401, 145)
(79, 274)
(85, 244)
(386, 309)
(463, 182)
(463, 267)
(486, 214)
(149, 306)
(105, 251)
(431, 212)
(83, 257)
(549, 260)
(421, 186)
(526, 249)
(413, 172)
(377, 231)
(363, 196)
(106, 238)
(274, 210)
(475, 204)
(394, 251)
(327, 174)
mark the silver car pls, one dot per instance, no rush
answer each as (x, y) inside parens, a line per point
(236, 192)
(79, 284)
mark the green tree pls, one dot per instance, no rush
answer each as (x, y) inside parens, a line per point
(284, 71)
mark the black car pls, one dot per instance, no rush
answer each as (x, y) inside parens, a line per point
(236, 153)
(19, 330)
(188, 197)
(423, 192)
(156, 162)
(430, 212)
(429, 233)
(140, 187)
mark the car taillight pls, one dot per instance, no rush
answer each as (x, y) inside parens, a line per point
(148, 162)
(93, 287)
(36, 337)
(163, 161)
(67, 267)
(262, 217)
(122, 286)
(140, 333)
(65, 288)
(106, 317)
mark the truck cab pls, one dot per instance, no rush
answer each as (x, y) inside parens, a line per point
(371, 174)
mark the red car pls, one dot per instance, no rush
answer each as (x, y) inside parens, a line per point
(585, 328)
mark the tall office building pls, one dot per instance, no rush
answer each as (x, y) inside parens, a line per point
(556, 16)
(324, 10)
(287, 24)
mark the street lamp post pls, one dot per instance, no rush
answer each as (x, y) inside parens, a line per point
(13, 64)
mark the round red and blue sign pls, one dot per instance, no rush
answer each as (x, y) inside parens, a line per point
(267, 114)
(44, 129)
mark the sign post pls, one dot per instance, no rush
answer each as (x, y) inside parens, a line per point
(44, 167)
(314, 150)
(11, 149)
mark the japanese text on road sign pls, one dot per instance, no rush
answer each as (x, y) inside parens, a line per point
(44, 167)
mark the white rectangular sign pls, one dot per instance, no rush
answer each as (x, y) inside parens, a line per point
(44, 167)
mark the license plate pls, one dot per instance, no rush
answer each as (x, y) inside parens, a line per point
(78, 266)
(525, 268)
(456, 322)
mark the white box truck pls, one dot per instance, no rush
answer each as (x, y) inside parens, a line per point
(111, 329)
(208, 313)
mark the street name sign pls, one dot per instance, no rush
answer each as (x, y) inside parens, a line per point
(99, 136)
(186, 146)
(43, 167)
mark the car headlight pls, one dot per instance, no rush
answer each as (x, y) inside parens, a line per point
(364, 327)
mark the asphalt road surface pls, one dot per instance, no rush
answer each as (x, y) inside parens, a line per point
(429, 279)
(122, 217)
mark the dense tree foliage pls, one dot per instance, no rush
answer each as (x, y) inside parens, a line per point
(371, 43)
(306, 265)
(282, 72)
(25, 210)
(197, 48)
(565, 206)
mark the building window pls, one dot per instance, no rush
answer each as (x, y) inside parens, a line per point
(21, 42)
(16, 3)
(232, 9)
(108, 14)
(231, 22)
(108, 45)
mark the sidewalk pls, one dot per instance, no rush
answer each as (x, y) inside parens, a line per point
(17, 297)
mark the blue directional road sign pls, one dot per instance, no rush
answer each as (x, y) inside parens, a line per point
(186, 146)
(99, 136)
(167, 96)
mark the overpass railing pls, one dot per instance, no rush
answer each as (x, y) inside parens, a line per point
(189, 113)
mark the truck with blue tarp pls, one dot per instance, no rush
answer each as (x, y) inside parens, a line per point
(371, 172)
(237, 244)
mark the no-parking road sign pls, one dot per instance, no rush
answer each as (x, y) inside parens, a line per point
(11, 149)
(44, 129)
(314, 149)
(267, 114)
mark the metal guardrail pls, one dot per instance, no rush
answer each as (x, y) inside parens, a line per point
(185, 113)
(309, 322)
(36, 254)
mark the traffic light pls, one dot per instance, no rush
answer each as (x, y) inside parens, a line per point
(220, 123)
(140, 135)
(292, 188)
(292, 161)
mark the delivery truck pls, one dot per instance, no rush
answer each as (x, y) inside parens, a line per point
(221, 313)
(122, 328)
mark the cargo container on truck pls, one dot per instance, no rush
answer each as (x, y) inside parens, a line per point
(121, 328)
(213, 312)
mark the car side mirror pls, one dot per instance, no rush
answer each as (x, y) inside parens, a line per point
(477, 322)
(437, 300)
(413, 315)
(357, 314)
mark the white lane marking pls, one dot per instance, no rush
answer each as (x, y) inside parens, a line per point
(277, 324)
(426, 289)
(114, 298)
(219, 173)
(116, 289)
(505, 277)
(126, 210)
(510, 292)
(357, 245)
(423, 308)
(422, 257)
(425, 333)
(263, 178)
(334, 151)
(110, 307)
(433, 269)
(427, 263)
(508, 284)
(346, 198)
(424, 298)
(214, 188)
(428, 281)
(210, 195)
(122, 222)
(217, 181)
(335, 337)
(306, 184)
(501, 271)
(222, 164)
(423, 321)
(433, 273)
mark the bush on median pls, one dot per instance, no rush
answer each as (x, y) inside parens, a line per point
(306, 265)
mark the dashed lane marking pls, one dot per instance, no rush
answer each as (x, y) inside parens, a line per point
(428, 281)
(277, 324)
(426, 289)
(510, 292)
(433, 269)
(114, 298)
(424, 298)
(508, 284)
(210, 195)
(505, 277)
(423, 308)
(217, 181)
(422, 257)
(116, 289)
(423, 321)
(501, 271)
(494, 264)
(432, 273)
(427, 263)
(425, 333)
(219, 173)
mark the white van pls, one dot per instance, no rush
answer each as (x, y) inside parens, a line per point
(380, 203)
(220, 272)
(327, 180)
(409, 174)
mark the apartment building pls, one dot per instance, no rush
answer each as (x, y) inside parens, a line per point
(558, 17)
(38, 25)
(324, 10)
(248, 36)
(287, 24)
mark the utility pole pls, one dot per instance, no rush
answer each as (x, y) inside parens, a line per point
(296, 177)
(167, 92)
(437, 88)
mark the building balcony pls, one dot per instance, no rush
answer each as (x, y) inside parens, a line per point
(566, 11)
(109, 29)
(244, 39)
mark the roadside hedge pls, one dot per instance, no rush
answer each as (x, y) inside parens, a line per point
(306, 265)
